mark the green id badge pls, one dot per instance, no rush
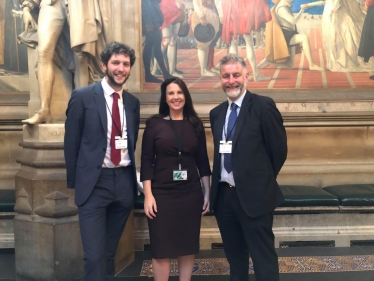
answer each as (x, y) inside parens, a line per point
(179, 175)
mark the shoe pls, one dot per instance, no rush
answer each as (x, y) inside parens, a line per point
(258, 78)
(215, 70)
(208, 73)
(152, 79)
(178, 71)
(157, 72)
(177, 74)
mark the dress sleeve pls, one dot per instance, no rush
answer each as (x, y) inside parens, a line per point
(148, 152)
(202, 161)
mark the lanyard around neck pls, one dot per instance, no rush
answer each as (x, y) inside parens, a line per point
(178, 139)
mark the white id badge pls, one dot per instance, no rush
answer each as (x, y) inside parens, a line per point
(179, 175)
(121, 143)
(225, 147)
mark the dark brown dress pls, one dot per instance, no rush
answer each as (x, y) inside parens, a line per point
(176, 229)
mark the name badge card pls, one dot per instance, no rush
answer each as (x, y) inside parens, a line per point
(225, 147)
(179, 175)
(121, 143)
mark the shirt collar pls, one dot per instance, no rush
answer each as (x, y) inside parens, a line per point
(108, 90)
(239, 101)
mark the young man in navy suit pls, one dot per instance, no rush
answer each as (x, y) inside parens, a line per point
(250, 147)
(101, 131)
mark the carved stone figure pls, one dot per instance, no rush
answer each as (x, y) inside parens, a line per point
(87, 39)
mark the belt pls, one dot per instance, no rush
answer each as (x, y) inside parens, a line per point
(116, 170)
(225, 184)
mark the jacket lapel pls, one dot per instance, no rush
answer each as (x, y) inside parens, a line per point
(101, 105)
(246, 104)
(221, 116)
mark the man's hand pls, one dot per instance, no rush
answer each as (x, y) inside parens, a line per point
(28, 20)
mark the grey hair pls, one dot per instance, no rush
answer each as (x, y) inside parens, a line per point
(232, 58)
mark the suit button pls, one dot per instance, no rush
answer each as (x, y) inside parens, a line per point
(98, 167)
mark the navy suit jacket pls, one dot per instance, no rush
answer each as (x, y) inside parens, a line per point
(259, 149)
(86, 137)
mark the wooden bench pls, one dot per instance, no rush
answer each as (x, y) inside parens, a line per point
(340, 215)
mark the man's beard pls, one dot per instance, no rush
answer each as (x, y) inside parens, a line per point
(231, 93)
(113, 81)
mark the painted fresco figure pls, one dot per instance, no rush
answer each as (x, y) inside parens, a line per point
(87, 38)
(283, 55)
(152, 20)
(260, 37)
(212, 45)
(243, 17)
(173, 13)
(366, 49)
(206, 11)
(342, 23)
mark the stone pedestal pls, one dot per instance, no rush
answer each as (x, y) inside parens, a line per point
(46, 228)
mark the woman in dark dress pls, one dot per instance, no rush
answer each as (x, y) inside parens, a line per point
(174, 167)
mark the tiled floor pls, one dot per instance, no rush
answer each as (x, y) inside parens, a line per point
(345, 255)
(133, 271)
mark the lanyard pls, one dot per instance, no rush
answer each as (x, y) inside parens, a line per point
(178, 139)
(123, 119)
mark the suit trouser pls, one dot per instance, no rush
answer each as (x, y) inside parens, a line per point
(243, 235)
(102, 219)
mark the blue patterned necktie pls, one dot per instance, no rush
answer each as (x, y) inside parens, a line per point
(229, 135)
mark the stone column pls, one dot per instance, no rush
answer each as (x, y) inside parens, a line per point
(46, 229)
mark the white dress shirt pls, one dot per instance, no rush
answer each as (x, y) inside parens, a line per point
(225, 176)
(108, 94)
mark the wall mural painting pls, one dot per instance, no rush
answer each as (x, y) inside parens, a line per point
(13, 56)
(287, 44)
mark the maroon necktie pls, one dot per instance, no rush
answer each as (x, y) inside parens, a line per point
(115, 154)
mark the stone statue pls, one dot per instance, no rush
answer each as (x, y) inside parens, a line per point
(91, 30)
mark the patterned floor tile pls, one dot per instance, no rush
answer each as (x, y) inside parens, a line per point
(315, 264)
